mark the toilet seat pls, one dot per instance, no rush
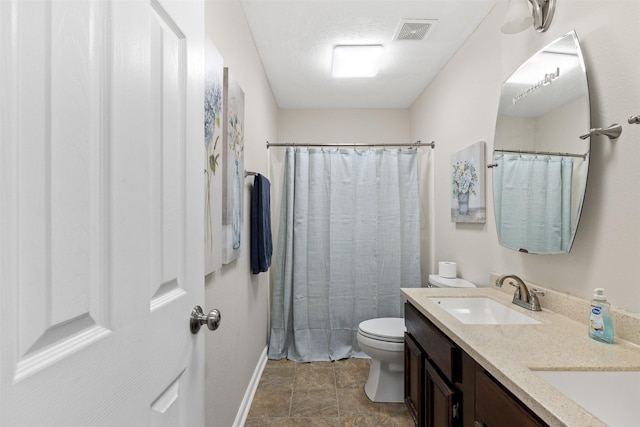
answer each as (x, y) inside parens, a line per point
(388, 329)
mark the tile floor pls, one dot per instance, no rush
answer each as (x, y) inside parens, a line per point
(320, 394)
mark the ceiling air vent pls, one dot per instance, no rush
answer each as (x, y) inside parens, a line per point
(414, 29)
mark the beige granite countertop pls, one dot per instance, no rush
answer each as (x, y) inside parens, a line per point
(510, 352)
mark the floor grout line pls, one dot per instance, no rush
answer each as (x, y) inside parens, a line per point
(293, 388)
(353, 378)
(335, 389)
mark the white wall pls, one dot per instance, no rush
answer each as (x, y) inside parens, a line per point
(344, 126)
(459, 108)
(232, 351)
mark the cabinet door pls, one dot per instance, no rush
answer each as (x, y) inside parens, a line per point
(467, 391)
(441, 401)
(495, 407)
(413, 378)
(101, 212)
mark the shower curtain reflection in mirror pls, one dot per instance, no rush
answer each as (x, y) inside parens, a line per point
(532, 201)
(349, 239)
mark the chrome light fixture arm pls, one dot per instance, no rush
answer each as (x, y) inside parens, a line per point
(543, 11)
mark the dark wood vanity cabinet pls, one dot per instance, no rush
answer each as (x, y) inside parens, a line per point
(496, 407)
(445, 387)
(413, 378)
(441, 401)
(432, 373)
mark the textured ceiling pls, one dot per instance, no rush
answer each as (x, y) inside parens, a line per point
(295, 41)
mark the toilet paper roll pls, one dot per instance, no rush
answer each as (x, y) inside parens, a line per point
(447, 269)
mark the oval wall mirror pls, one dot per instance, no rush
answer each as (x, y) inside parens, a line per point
(539, 162)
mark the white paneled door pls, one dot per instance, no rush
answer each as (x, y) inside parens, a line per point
(101, 253)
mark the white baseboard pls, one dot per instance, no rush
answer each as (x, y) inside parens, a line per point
(243, 411)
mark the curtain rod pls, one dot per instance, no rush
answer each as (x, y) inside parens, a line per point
(416, 144)
(544, 153)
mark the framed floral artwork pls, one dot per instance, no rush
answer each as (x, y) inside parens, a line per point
(213, 94)
(233, 168)
(468, 201)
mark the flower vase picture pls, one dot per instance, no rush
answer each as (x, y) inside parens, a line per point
(233, 168)
(212, 158)
(467, 184)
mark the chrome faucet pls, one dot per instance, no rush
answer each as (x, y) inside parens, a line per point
(522, 296)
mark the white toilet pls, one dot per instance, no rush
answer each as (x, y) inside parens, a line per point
(383, 340)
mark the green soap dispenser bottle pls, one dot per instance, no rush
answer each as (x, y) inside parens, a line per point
(600, 323)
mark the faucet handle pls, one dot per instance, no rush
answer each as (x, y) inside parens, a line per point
(535, 302)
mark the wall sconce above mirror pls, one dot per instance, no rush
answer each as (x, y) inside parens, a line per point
(519, 17)
(539, 163)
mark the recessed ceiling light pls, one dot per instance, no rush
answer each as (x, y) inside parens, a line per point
(356, 60)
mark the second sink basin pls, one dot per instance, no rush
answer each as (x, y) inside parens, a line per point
(483, 311)
(612, 396)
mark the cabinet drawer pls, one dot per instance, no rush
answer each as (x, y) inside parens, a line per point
(496, 407)
(444, 354)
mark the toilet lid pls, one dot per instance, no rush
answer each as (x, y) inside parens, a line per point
(383, 329)
(442, 282)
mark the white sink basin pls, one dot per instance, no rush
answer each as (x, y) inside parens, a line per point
(612, 396)
(483, 311)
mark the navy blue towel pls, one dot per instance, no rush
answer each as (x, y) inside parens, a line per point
(261, 245)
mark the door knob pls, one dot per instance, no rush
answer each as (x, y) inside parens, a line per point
(198, 318)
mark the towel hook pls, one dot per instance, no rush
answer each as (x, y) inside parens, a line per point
(634, 120)
(612, 132)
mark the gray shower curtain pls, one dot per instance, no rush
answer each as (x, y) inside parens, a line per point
(536, 212)
(349, 238)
